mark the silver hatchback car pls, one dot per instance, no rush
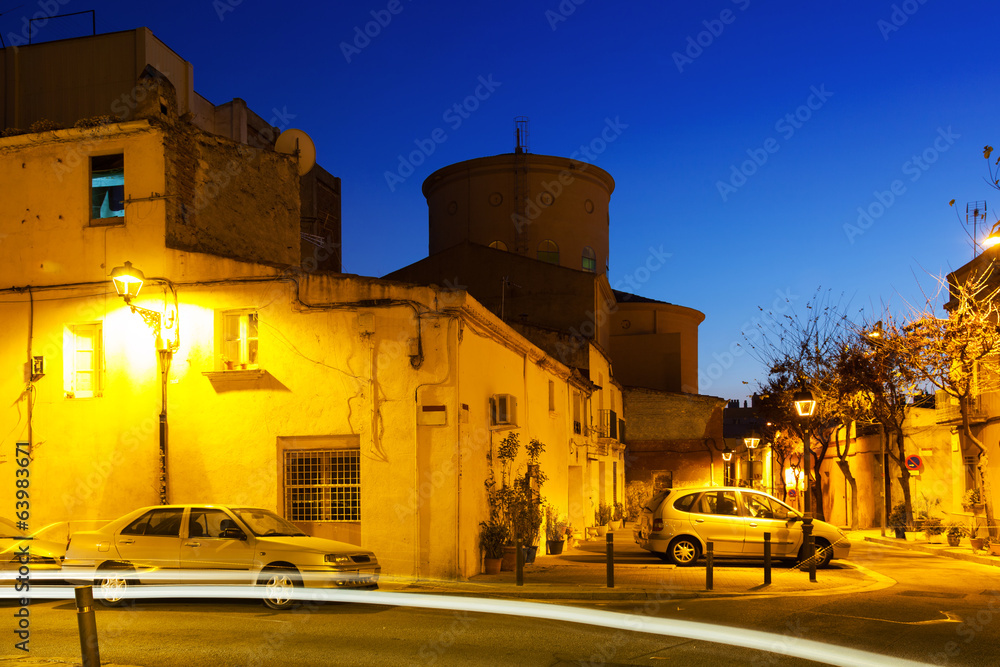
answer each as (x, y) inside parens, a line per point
(215, 544)
(678, 523)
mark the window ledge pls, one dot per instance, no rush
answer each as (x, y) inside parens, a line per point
(239, 375)
(107, 222)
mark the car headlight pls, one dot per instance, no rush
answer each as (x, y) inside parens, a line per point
(337, 559)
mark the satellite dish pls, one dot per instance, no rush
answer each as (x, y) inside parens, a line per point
(297, 143)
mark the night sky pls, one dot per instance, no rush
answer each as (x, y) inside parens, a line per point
(746, 135)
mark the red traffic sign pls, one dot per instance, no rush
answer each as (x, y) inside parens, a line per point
(792, 493)
(914, 462)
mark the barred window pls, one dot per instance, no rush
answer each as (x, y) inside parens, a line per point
(323, 485)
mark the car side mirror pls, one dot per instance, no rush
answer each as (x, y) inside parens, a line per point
(233, 534)
(791, 518)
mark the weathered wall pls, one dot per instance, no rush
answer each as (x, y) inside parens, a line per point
(233, 200)
(676, 433)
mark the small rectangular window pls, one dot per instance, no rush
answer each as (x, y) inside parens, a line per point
(82, 361)
(238, 341)
(107, 188)
(552, 396)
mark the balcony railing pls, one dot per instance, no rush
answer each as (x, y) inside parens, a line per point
(948, 410)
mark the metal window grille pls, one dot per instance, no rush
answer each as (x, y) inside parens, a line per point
(323, 485)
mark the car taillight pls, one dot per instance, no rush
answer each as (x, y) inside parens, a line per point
(657, 525)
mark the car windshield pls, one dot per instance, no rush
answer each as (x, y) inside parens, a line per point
(264, 523)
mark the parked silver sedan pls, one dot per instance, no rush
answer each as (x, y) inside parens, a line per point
(215, 544)
(17, 548)
(678, 523)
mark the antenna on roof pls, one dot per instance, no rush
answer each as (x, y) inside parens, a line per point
(521, 134)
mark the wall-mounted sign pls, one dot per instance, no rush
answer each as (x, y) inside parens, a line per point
(914, 462)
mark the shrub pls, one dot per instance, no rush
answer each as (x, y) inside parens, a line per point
(603, 514)
(636, 494)
(492, 537)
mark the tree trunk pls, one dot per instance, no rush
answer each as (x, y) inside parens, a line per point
(845, 468)
(817, 490)
(963, 406)
(904, 474)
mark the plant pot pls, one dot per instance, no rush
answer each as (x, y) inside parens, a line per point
(602, 531)
(555, 547)
(492, 565)
(509, 559)
(976, 543)
(953, 540)
(530, 553)
(995, 549)
(900, 532)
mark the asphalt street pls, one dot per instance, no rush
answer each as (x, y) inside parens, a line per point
(940, 611)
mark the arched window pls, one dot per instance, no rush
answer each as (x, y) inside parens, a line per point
(499, 245)
(589, 259)
(548, 251)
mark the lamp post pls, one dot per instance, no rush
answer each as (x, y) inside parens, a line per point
(128, 280)
(751, 441)
(727, 456)
(875, 337)
(805, 406)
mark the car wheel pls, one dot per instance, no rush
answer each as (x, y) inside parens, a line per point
(684, 551)
(111, 586)
(278, 585)
(824, 554)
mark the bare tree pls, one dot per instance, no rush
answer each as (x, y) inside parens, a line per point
(959, 354)
(802, 350)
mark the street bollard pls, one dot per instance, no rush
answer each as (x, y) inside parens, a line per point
(88, 626)
(519, 560)
(708, 567)
(611, 560)
(767, 558)
(807, 530)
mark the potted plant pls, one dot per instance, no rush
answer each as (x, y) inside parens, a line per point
(897, 521)
(602, 516)
(956, 532)
(933, 527)
(555, 531)
(993, 545)
(492, 537)
(618, 515)
(975, 541)
(972, 500)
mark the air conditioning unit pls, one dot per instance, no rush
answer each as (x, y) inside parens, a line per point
(503, 410)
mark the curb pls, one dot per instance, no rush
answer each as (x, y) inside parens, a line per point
(936, 551)
(555, 592)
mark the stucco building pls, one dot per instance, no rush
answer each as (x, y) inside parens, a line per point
(359, 408)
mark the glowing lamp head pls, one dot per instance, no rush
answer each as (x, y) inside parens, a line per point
(127, 280)
(751, 441)
(727, 454)
(805, 405)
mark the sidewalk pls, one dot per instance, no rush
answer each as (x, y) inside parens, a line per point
(580, 574)
(919, 542)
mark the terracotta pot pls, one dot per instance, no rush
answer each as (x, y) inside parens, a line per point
(953, 540)
(976, 543)
(995, 549)
(555, 547)
(510, 558)
(491, 565)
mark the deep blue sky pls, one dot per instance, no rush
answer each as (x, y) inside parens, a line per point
(889, 95)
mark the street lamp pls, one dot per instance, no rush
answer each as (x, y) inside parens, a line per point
(128, 281)
(805, 406)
